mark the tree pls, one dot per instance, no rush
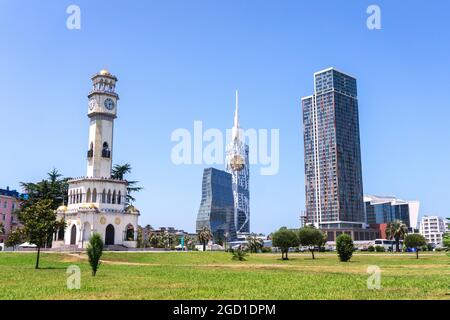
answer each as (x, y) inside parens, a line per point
(118, 172)
(189, 242)
(2, 229)
(154, 240)
(140, 243)
(396, 230)
(446, 240)
(415, 241)
(15, 238)
(54, 188)
(344, 247)
(39, 224)
(94, 251)
(204, 236)
(254, 243)
(311, 237)
(285, 239)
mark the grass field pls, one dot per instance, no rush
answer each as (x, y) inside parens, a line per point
(213, 275)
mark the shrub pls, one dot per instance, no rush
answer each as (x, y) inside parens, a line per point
(380, 249)
(446, 240)
(371, 249)
(238, 254)
(266, 250)
(94, 251)
(344, 247)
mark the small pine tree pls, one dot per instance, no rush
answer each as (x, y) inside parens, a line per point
(94, 251)
(344, 247)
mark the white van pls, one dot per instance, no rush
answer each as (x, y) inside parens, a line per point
(389, 245)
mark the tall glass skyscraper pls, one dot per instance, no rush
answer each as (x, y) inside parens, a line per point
(216, 211)
(334, 189)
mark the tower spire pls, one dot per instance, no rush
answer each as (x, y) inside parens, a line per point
(235, 130)
(236, 112)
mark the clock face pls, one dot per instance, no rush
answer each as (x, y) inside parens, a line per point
(92, 104)
(109, 104)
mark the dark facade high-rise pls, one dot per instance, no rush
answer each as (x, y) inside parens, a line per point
(216, 211)
(333, 174)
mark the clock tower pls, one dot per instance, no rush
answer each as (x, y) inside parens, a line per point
(102, 111)
(98, 202)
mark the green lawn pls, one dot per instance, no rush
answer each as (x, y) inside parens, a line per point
(210, 275)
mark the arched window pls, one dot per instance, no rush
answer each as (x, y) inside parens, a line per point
(88, 195)
(90, 153)
(106, 153)
(94, 195)
(70, 197)
(129, 233)
(119, 197)
(108, 199)
(104, 196)
(114, 197)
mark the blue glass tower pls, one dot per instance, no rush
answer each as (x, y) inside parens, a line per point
(216, 211)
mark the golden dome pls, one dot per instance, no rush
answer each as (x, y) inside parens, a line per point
(62, 208)
(132, 209)
(104, 72)
(88, 206)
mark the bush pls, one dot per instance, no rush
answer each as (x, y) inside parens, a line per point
(238, 254)
(344, 247)
(266, 250)
(380, 249)
(446, 240)
(94, 251)
(371, 249)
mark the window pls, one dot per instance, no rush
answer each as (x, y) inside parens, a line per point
(94, 195)
(88, 195)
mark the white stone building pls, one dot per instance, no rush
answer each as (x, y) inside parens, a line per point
(97, 203)
(432, 228)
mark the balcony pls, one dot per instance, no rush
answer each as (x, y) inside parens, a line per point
(90, 153)
(106, 154)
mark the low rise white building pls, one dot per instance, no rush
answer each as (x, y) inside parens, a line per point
(433, 228)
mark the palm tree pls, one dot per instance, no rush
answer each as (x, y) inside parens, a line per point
(118, 172)
(204, 236)
(254, 243)
(396, 230)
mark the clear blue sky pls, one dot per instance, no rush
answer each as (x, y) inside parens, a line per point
(180, 61)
